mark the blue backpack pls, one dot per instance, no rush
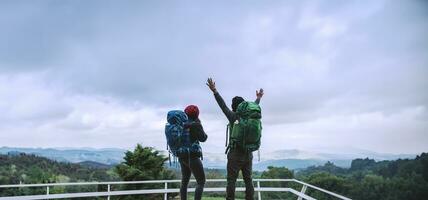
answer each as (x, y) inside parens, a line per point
(178, 137)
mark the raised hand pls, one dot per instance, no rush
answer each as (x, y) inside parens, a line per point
(259, 93)
(211, 85)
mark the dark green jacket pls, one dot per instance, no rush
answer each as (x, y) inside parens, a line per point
(232, 117)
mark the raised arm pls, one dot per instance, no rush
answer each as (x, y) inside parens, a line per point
(231, 116)
(259, 95)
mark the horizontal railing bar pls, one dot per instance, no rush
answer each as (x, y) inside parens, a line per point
(149, 191)
(272, 180)
(166, 181)
(322, 190)
(132, 182)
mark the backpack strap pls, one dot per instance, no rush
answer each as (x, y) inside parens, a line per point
(227, 134)
(227, 150)
(169, 153)
(244, 144)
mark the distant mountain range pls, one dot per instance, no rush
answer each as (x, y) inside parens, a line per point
(299, 159)
(290, 158)
(108, 156)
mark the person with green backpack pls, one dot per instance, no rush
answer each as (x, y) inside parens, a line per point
(242, 138)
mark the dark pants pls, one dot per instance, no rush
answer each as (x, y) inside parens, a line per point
(237, 161)
(189, 166)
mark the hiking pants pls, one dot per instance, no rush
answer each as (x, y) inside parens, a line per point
(189, 166)
(237, 161)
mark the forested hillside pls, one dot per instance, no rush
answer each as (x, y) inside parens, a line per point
(366, 179)
(23, 168)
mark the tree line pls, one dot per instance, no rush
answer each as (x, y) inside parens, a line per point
(366, 179)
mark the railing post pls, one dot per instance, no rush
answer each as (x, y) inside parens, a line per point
(303, 190)
(165, 196)
(108, 190)
(47, 190)
(259, 195)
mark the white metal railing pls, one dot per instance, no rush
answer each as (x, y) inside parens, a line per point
(301, 195)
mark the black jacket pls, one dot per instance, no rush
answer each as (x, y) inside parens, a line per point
(197, 132)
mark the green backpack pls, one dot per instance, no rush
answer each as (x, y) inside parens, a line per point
(246, 132)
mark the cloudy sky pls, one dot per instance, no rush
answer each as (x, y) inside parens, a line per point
(336, 74)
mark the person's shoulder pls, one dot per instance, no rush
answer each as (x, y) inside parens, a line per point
(198, 123)
(233, 117)
(195, 122)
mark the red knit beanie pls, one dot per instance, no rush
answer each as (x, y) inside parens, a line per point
(192, 111)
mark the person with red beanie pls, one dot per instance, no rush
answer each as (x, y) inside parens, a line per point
(192, 163)
(192, 111)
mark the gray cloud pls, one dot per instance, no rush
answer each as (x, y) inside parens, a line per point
(316, 60)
